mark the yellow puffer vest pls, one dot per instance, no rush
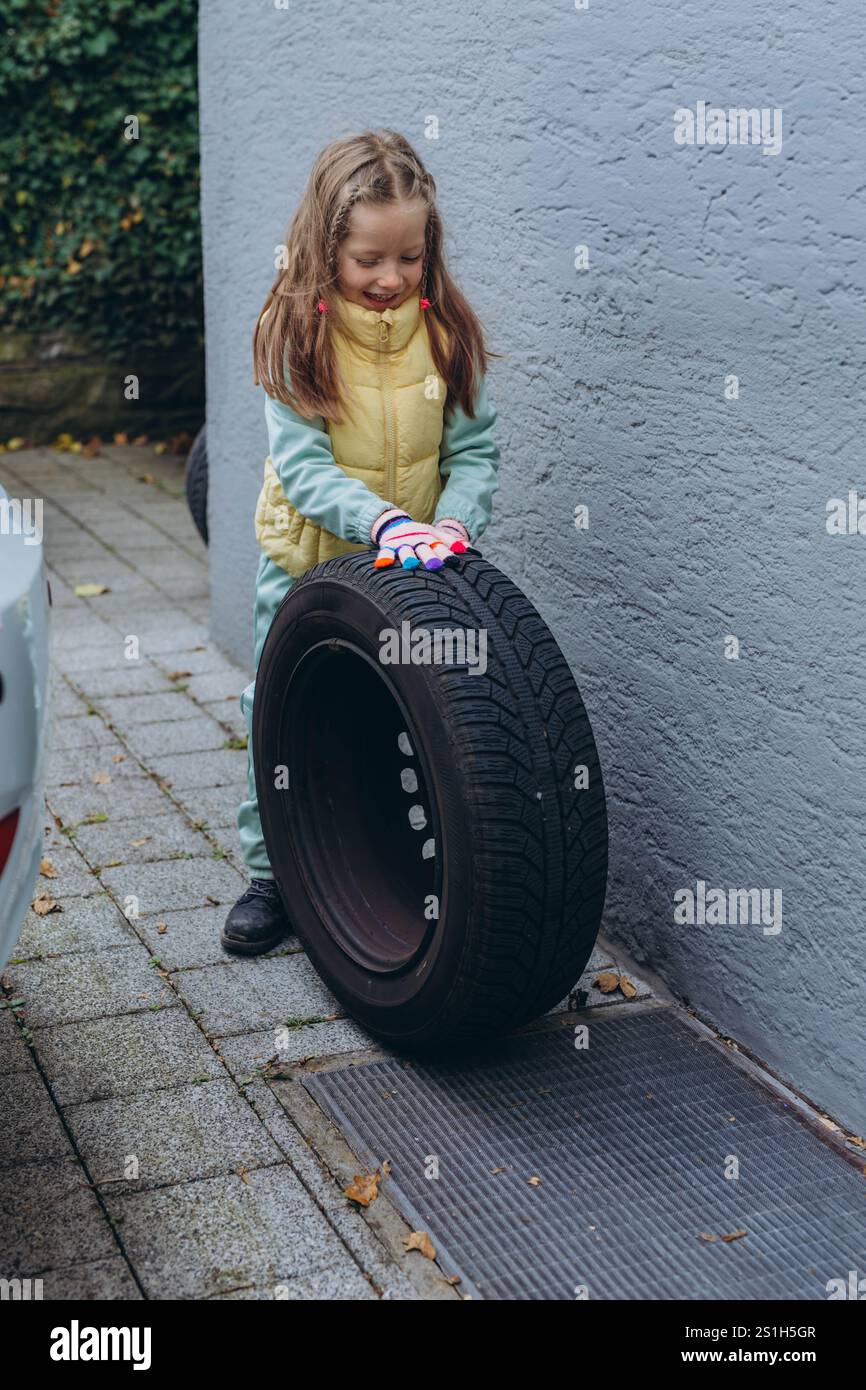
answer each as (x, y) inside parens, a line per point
(391, 440)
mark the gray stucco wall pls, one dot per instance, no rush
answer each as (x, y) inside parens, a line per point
(706, 514)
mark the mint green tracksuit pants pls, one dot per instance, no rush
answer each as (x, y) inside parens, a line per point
(272, 585)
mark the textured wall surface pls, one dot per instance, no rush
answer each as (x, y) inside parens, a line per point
(707, 514)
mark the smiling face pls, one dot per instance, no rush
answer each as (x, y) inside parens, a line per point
(380, 260)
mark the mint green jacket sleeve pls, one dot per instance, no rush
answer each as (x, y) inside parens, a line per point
(469, 463)
(312, 480)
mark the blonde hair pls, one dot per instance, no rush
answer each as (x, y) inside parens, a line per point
(293, 339)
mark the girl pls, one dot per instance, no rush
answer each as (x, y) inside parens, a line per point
(379, 426)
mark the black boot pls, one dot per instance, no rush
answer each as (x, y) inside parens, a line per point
(257, 921)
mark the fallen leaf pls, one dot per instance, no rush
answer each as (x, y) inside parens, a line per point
(140, 439)
(452, 1279)
(497, 1170)
(857, 1141)
(734, 1235)
(43, 904)
(101, 779)
(119, 758)
(628, 989)
(364, 1189)
(180, 444)
(121, 438)
(419, 1240)
(386, 1168)
(113, 864)
(177, 675)
(607, 981)
(162, 928)
(47, 869)
(534, 1182)
(243, 1175)
(146, 478)
(91, 590)
(705, 1235)
(212, 899)
(92, 447)
(160, 448)
(143, 841)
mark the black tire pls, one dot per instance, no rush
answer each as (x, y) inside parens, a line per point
(520, 862)
(196, 482)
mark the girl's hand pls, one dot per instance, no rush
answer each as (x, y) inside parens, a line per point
(453, 533)
(411, 543)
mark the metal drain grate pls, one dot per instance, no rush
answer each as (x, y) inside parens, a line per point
(630, 1139)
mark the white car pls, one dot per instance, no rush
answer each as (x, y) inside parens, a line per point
(25, 601)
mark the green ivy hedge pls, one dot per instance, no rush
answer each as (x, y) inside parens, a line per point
(99, 233)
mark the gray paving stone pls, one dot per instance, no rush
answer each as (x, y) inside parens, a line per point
(217, 686)
(73, 876)
(62, 597)
(102, 1280)
(345, 1218)
(214, 806)
(185, 736)
(84, 924)
(167, 637)
(199, 610)
(209, 1237)
(246, 1054)
(135, 678)
(194, 590)
(256, 994)
(144, 537)
(178, 571)
(202, 659)
(118, 801)
(91, 985)
(108, 658)
(187, 771)
(175, 883)
(107, 1057)
(228, 712)
(116, 840)
(122, 581)
(342, 1282)
(49, 1218)
(15, 1055)
(31, 1130)
(76, 767)
(185, 1133)
(226, 837)
(192, 937)
(82, 638)
(86, 731)
(125, 710)
(65, 704)
(131, 608)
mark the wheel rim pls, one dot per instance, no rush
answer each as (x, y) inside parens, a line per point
(361, 816)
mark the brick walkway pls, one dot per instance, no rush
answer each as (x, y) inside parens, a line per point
(143, 1152)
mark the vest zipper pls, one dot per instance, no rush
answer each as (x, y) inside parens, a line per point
(390, 414)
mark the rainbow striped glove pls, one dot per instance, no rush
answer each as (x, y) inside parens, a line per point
(413, 543)
(454, 534)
